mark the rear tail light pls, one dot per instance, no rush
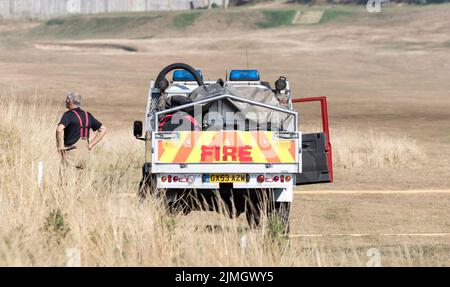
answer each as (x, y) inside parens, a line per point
(175, 178)
(276, 178)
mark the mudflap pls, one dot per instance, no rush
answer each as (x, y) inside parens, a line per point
(283, 194)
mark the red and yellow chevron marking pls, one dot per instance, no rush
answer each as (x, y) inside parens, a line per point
(226, 147)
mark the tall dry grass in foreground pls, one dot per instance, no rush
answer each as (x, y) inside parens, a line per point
(95, 210)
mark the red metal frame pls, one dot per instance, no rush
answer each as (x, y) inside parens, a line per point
(326, 130)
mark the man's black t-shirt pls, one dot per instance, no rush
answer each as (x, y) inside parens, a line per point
(72, 125)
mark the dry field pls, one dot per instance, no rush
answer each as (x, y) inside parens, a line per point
(386, 78)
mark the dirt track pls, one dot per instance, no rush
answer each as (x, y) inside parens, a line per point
(407, 191)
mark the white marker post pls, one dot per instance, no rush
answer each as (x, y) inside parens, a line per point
(375, 257)
(243, 241)
(73, 257)
(40, 174)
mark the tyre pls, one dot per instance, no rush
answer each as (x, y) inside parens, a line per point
(262, 205)
(253, 218)
(177, 207)
(258, 204)
(147, 186)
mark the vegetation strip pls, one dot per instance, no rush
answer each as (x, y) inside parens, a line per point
(368, 234)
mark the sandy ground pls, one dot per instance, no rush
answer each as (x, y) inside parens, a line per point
(386, 73)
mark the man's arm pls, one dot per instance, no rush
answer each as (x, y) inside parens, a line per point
(60, 139)
(98, 137)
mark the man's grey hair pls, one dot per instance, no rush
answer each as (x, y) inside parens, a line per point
(74, 97)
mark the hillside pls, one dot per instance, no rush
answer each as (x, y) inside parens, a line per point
(162, 24)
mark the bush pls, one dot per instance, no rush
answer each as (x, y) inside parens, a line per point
(53, 22)
(246, 2)
(185, 19)
(331, 14)
(277, 18)
(56, 226)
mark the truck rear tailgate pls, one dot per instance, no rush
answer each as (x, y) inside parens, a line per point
(226, 152)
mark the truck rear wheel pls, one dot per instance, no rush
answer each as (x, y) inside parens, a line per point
(277, 214)
(147, 186)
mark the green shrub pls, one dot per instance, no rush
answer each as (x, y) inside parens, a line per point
(185, 19)
(332, 14)
(56, 226)
(55, 21)
(276, 18)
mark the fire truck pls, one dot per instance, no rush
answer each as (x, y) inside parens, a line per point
(230, 145)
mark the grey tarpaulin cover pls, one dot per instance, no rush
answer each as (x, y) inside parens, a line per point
(255, 114)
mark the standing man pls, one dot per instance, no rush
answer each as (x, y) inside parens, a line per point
(72, 133)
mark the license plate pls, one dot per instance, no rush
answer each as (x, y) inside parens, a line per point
(227, 178)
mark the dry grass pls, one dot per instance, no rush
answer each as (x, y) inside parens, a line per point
(354, 148)
(95, 211)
